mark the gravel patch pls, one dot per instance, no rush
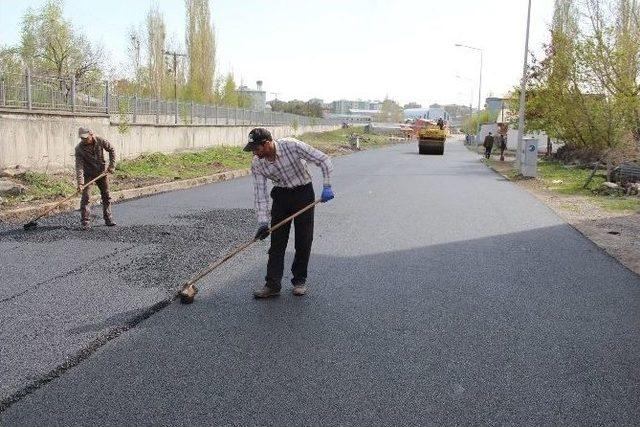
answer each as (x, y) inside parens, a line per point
(66, 291)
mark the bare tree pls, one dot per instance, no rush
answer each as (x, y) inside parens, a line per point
(156, 35)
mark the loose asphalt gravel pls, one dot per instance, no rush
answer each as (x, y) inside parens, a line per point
(439, 294)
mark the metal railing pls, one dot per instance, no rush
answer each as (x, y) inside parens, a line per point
(54, 94)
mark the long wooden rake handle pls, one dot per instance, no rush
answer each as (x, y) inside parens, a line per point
(208, 269)
(66, 199)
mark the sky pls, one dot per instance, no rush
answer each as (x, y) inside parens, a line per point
(335, 49)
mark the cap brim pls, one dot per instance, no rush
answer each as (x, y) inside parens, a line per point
(249, 147)
(84, 135)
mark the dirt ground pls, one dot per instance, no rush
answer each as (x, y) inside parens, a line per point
(617, 233)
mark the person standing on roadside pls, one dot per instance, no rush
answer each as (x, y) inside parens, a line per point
(284, 162)
(503, 146)
(488, 145)
(90, 163)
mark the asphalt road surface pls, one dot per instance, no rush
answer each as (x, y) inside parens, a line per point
(439, 293)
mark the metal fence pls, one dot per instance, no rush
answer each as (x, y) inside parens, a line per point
(40, 93)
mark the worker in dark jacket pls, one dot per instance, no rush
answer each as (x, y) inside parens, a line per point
(502, 142)
(90, 163)
(488, 145)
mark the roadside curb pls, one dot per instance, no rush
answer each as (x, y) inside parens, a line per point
(122, 195)
(25, 213)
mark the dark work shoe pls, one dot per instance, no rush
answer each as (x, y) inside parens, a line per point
(109, 223)
(266, 292)
(299, 290)
(85, 225)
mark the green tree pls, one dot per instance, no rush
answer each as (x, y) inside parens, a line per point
(10, 61)
(156, 38)
(303, 108)
(471, 124)
(584, 90)
(201, 50)
(390, 111)
(228, 93)
(49, 45)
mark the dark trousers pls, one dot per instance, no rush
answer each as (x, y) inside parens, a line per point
(287, 201)
(487, 151)
(85, 208)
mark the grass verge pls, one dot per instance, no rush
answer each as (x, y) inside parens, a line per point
(569, 180)
(155, 168)
(336, 141)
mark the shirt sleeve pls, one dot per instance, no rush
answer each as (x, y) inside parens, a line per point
(261, 198)
(318, 158)
(112, 152)
(79, 168)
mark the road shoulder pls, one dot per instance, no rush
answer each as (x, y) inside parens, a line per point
(614, 232)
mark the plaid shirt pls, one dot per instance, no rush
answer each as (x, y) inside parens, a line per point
(288, 170)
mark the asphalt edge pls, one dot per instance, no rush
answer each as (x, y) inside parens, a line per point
(19, 214)
(574, 226)
(84, 353)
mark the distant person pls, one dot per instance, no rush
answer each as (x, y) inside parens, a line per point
(549, 147)
(90, 163)
(440, 123)
(488, 145)
(503, 146)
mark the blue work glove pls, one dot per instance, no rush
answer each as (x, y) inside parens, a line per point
(327, 194)
(263, 231)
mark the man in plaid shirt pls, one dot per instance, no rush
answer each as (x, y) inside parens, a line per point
(284, 162)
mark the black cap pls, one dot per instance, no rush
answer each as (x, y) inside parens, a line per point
(257, 137)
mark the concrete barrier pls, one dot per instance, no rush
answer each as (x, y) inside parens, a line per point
(46, 142)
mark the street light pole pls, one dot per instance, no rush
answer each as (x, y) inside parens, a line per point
(480, 83)
(480, 79)
(523, 88)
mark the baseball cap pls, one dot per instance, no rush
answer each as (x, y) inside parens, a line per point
(84, 132)
(257, 137)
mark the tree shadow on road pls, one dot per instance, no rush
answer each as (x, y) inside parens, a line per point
(537, 327)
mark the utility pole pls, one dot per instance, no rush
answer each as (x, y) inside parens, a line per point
(136, 44)
(175, 79)
(523, 88)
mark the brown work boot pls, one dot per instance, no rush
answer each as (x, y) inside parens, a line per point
(85, 225)
(300, 289)
(266, 292)
(109, 222)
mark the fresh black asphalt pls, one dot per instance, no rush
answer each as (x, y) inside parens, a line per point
(439, 294)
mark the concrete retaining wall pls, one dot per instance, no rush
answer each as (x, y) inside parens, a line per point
(45, 142)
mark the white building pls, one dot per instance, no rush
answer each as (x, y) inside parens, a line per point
(257, 96)
(434, 112)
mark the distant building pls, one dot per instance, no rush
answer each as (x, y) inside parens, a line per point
(343, 106)
(257, 97)
(434, 112)
(375, 105)
(494, 104)
(412, 105)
